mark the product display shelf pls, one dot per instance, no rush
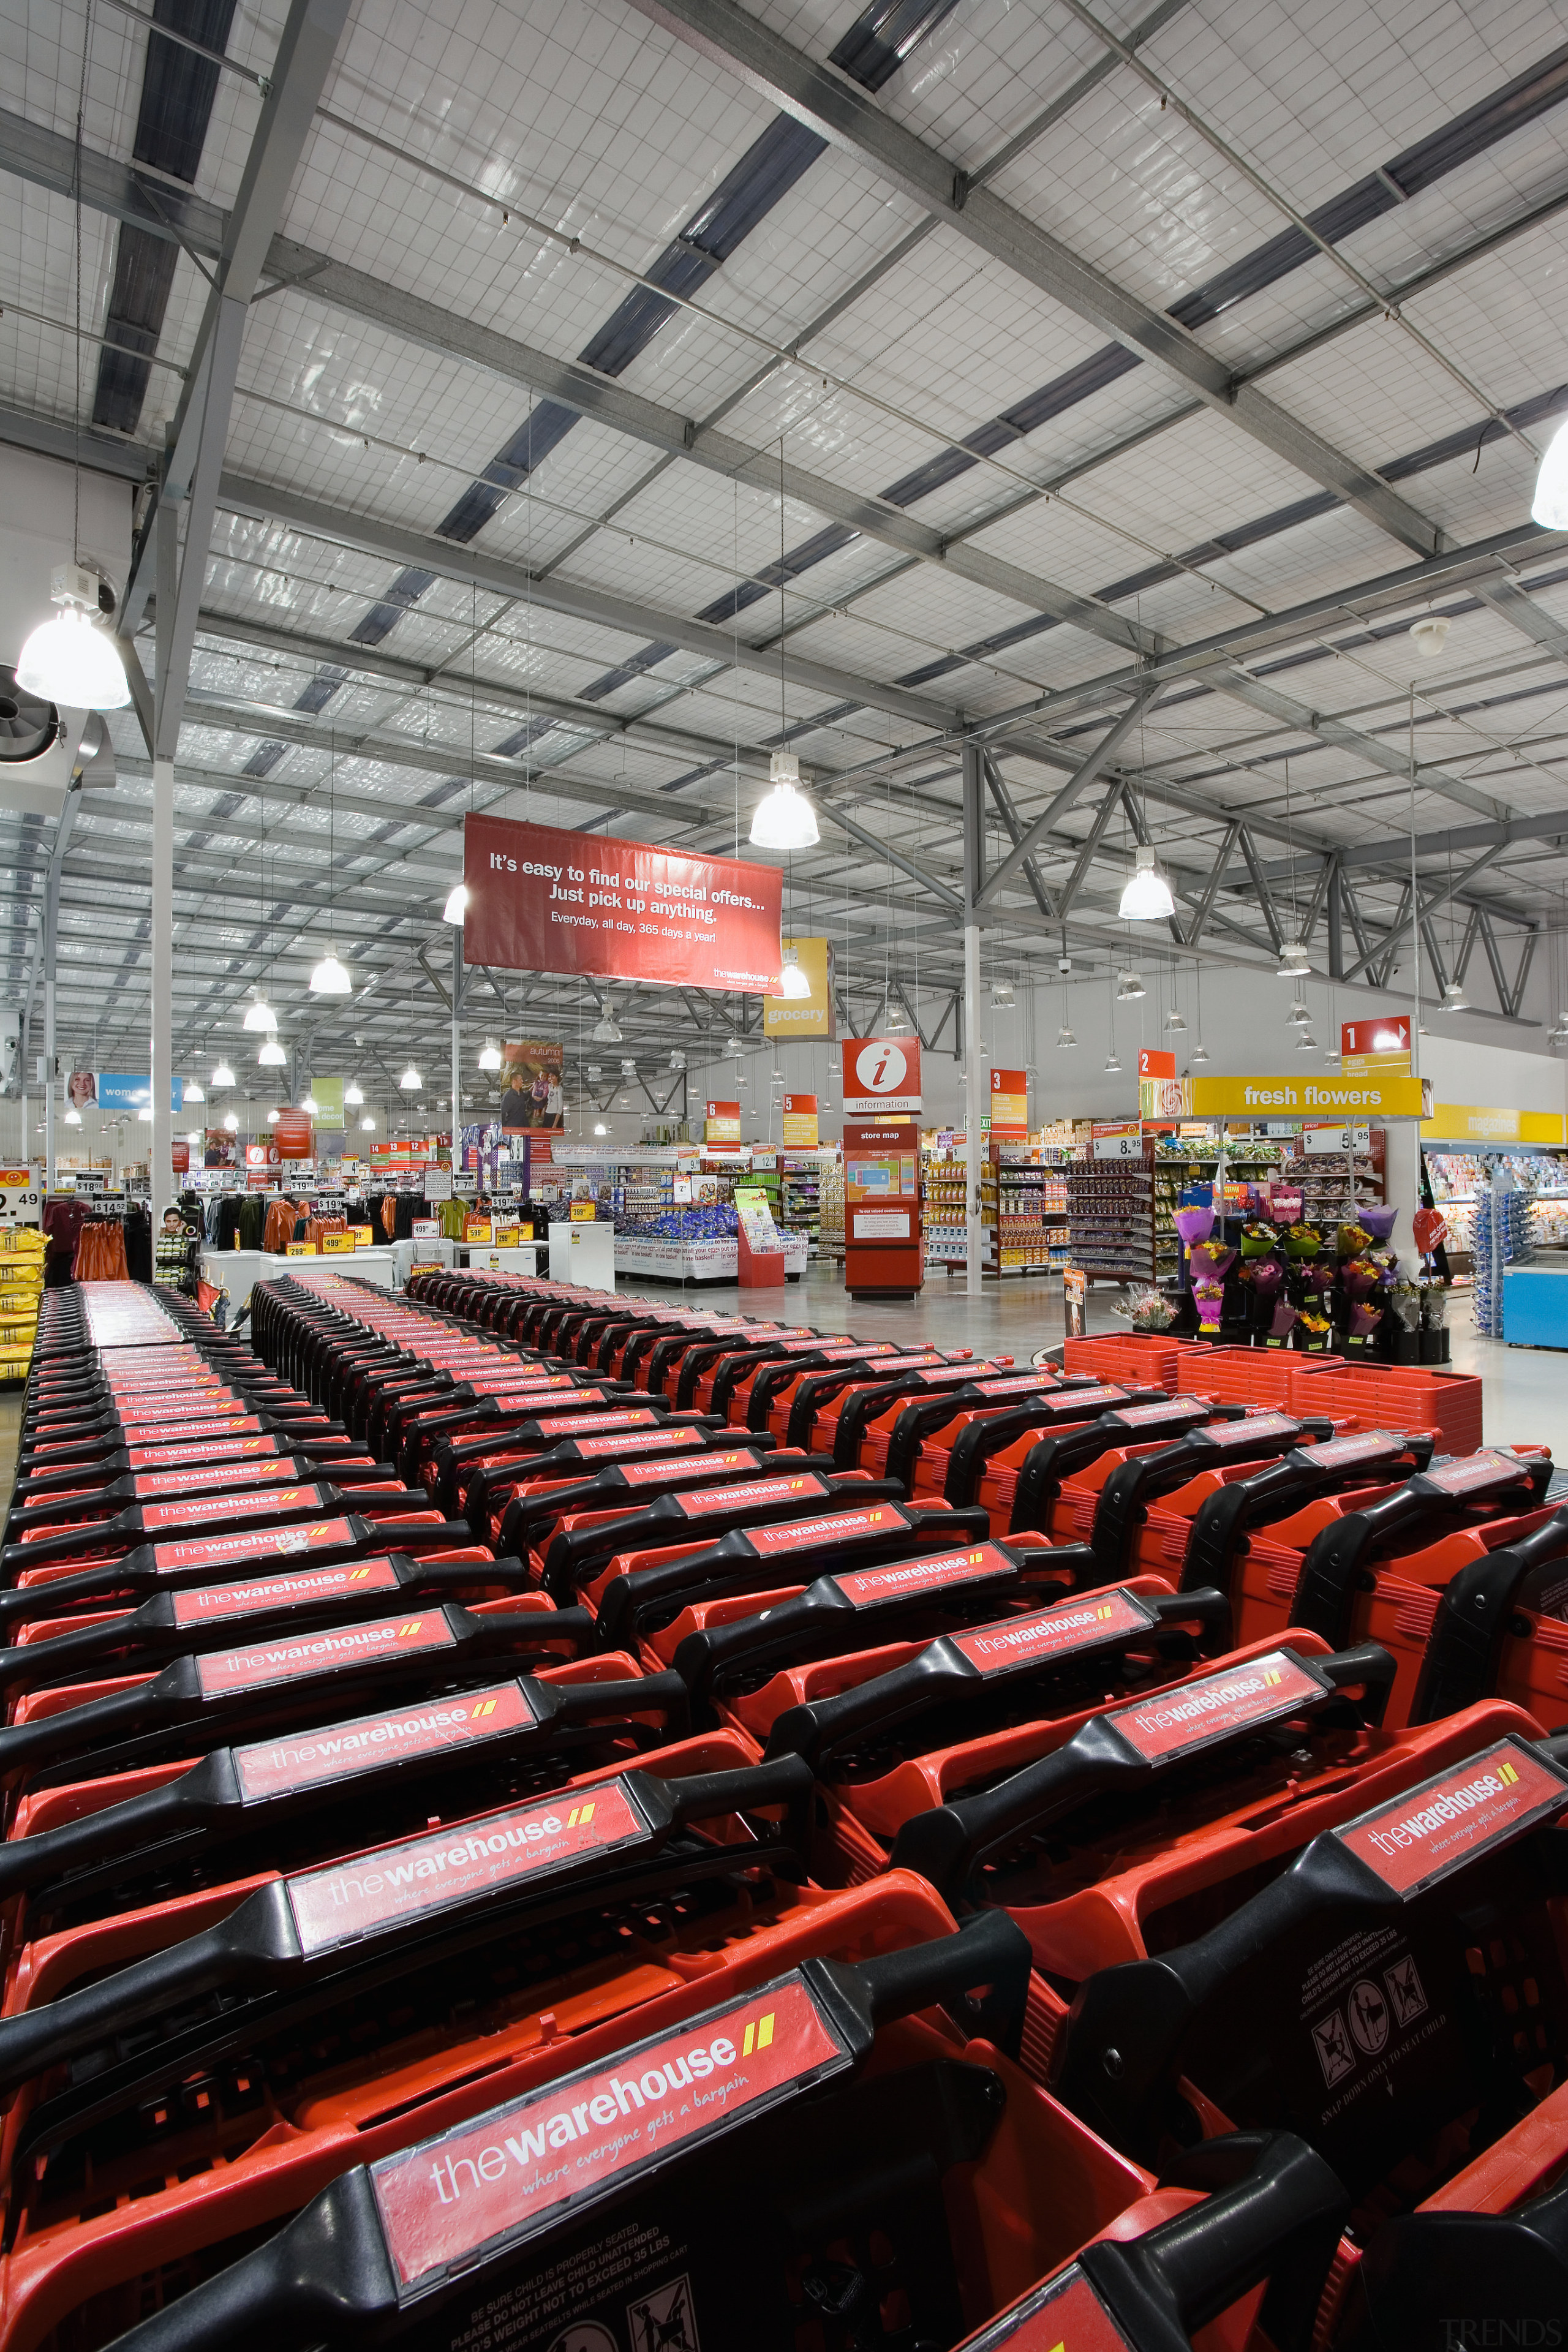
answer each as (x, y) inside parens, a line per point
(830, 1210)
(800, 1210)
(1024, 1207)
(1110, 1219)
(942, 1191)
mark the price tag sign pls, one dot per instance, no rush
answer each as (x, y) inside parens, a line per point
(425, 1229)
(582, 1213)
(1118, 1142)
(1335, 1135)
(338, 1245)
(301, 1249)
(363, 1235)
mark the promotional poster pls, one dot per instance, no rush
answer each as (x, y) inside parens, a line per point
(530, 1085)
(544, 900)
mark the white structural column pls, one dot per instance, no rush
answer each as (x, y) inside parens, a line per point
(160, 1043)
(975, 1075)
(160, 1165)
(457, 1041)
(1402, 1179)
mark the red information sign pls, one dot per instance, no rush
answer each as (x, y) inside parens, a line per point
(507, 2175)
(1440, 1826)
(1194, 1715)
(544, 900)
(881, 1075)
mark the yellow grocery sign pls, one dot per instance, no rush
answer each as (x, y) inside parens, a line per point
(811, 1015)
(1280, 1096)
(1475, 1123)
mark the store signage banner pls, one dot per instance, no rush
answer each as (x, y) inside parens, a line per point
(1376, 1049)
(1276, 1096)
(721, 1122)
(1160, 1095)
(1009, 1102)
(263, 1155)
(544, 900)
(1477, 1123)
(531, 1084)
(800, 1126)
(329, 1097)
(114, 1091)
(881, 1075)
(804, 1016)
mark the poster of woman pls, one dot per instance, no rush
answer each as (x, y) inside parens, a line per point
(530, 1085)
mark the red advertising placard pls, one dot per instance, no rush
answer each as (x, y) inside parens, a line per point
(1193, 1714)
(544, 900)
(1054, 1633)
(1440, 1825)
(304, 1760)
(497, 2179)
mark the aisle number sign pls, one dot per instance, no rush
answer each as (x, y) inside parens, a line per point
(721, 1122)
(800, 1125)
(1378, 1047)
(1009, 1102)
(1160, 1091)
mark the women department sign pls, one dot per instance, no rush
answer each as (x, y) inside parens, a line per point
(543, 900)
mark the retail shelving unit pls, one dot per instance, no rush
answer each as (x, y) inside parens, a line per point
(1110, 1217)
(802, 1173)
(942, 1188)
(1025, 1206)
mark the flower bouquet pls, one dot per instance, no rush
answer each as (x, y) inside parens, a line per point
(1350, 1240)
(1313, 1332)
(1364, 1321)
(1210, 1262)
(1302, 1241)
(1378, 1222)
(1145, 1308)
(1359, 1278)
(1284, 1320)
(1209, 1296)
(1195, 1225)
(1258, 1240)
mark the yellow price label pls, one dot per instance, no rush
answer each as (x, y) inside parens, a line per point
(364, 1236)
(301, 1249)
(337, 1244)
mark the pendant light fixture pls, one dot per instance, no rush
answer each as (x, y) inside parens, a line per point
(1145, 894)
(1299, 1017)
(1111, 1064)
(796, 984)
(1173, 1020)
(895, 1022)
(73, 1115)
(330, 978)
(222, 1075)
(457, 905)
(273, 1117)
(259, 1015)
(783, 818)
(1306, 1042)
(1002, 994)
(412, 1080)
(367, 1124)
(1293, 962)
(1128, 987)
(1065, 1038)
(607, 1029)
(271, 1056)
(192, 1091)
(1548, 507)
(489, 1056)
(1200, 1054)
(308, 1103)
(1454, 998)
(352, 1095)
(231, 1123)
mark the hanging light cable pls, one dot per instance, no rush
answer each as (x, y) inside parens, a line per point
(329, 977)
(70, 659)
(783, 818)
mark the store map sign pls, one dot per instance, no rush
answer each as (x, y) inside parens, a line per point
(544, 900)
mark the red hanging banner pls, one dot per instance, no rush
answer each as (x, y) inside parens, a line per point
(544, 900)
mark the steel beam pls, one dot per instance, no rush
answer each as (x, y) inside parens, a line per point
(837, 109)
(1083, 775)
